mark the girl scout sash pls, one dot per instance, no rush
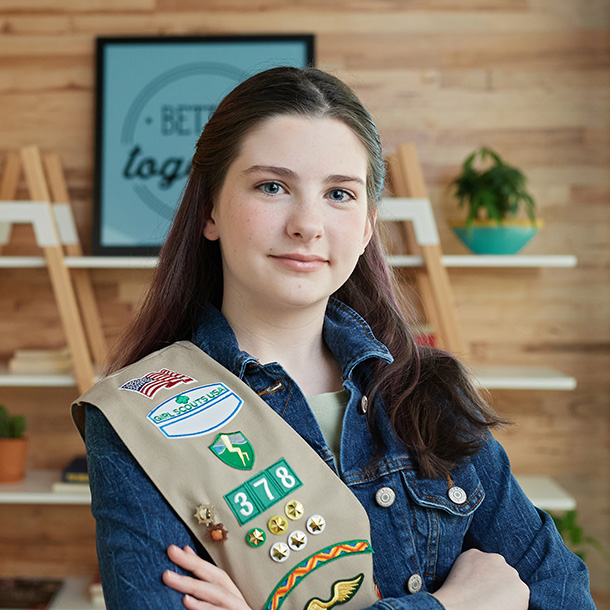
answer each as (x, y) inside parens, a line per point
(266, 507)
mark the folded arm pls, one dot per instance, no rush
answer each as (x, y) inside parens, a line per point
(134, 524)
(508, 523)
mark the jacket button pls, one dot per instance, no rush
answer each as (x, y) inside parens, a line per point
(385, 496)
(414, 584)
(457, 495)
(364, 405)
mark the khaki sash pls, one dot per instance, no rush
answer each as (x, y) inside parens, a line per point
(208, 442)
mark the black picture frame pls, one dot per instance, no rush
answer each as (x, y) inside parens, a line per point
(154, 94)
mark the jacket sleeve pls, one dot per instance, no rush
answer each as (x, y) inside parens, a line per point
(507, 523)
(134, 524)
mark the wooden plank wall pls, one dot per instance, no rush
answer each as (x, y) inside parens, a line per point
(528, 77)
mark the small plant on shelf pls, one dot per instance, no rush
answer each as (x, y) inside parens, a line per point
(11, 426)
(13, 447)
(574, 537)
(494, 194)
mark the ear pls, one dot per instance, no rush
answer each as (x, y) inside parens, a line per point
(210, 230)
(371, 221)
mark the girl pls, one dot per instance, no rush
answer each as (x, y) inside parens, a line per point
(273, 267)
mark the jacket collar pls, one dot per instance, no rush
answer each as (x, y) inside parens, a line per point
(348, 336)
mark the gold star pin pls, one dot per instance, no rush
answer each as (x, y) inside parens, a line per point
(294, 510)
(316, 524)
(277, 525)
(205, 514)
(297, 540)
(279, 552)
(256, 537)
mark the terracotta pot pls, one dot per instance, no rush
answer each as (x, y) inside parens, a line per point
(12, 459)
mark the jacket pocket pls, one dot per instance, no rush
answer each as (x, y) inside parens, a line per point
(458, 494)
(442, 510)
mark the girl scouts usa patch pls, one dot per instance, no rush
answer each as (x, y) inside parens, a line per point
(196, 412)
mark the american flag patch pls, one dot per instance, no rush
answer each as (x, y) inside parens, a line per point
(152, 382)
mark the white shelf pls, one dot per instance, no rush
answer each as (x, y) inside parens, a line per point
(522, 378)
(22, 262)
(519, 261)
(66, 380)
(74, 596)
(35, 381)
(112, 262)
(36, 488)
(545, 493)
(449, 260)
(82, 262)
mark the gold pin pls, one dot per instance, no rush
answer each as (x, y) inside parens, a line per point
(256, 537)
(205, 514)
(294, 510)
(277, 525)
(279, 552)
(297, 540)
(316, 524)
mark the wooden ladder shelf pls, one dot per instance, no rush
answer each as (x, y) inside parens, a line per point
(54, 229)
(422, 240)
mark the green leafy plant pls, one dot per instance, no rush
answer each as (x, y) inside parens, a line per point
(495, 192)
(574, 537)
(11, 426)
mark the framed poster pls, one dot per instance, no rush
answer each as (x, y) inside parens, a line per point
(154, 95)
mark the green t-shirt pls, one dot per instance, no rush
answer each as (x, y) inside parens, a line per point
(329, 409)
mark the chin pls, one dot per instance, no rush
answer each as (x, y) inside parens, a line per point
(300, 301)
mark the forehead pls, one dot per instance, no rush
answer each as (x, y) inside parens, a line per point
(304, 144)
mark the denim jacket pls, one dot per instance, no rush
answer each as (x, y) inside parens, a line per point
(416, 535)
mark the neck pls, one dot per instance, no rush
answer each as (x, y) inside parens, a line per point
(292, 338)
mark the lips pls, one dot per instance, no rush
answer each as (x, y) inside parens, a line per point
(300, 262)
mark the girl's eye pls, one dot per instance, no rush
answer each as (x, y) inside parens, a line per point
(340, 195)
(271, 188)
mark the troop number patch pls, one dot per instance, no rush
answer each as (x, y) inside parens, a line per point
(262, 491)
(196, 412)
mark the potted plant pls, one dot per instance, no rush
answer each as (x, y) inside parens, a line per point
(495, 194)
(574, 536)
(13, 447)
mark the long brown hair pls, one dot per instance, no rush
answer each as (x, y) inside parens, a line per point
(434, 408)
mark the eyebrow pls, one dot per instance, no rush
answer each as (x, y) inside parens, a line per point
(288, 173)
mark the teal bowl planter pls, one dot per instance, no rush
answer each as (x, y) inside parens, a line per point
(487, 237)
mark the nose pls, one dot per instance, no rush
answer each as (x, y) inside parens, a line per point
(306, 220)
